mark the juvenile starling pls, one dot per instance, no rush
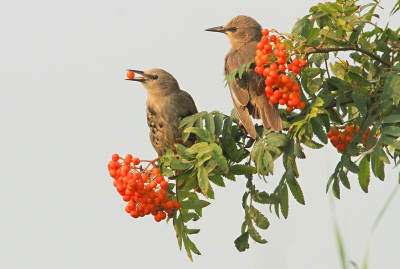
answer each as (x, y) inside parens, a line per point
(247, 93)
(166, 106)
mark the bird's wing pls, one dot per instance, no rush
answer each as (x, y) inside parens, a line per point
(239, 87)
(252, 84)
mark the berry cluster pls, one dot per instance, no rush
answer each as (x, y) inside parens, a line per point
(340, 139)
(144, 190)
(280, 87)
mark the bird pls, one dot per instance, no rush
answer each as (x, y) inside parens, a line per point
(247, 93)
(166, 106)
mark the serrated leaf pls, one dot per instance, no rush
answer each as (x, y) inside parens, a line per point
(364, 174)
(265, 198)
(377, 166)
(318, 130)
(193, 204)
(391, 130)
(202, 177)
(294, 186)
(209, 122)
(298, 151)
(347, 162)
(336, 188)
(360, 102)
(391, 87)
(391, 118)
(255, 235)
(259, 219)
(218, 121)
(190, 216)
(312, 144)
(242, 242)
(192, 231)
(284, 200)
(217, 180)
(387, 140)
(218, 156)
(178, 165)
(203, 134)
(344, 179)
(242, 169)
(190, 120)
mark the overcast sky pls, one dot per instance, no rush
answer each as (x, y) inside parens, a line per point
(65, 108)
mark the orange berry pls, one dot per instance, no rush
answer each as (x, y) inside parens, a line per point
(341, 147)
(115, 157)
(130, 74)
(303, 63)
(265, 32)
(177, 205)
(334, 140)
(135, 161)
(155, 171)
(349, 129)
(296, 69)
(289, 108)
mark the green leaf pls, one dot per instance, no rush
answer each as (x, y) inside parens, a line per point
(178, 165)
(294, 186)
(311, 144)
(242, 169)
(360, 102)
(203, 134)
(318, 130)
(336, 188)
(218, 120)
(218, 156)
(392, 86)
(242, 242)
(202, 177)
(387, 140)
(364, 174)
(193, 204)
(391, 118)
(190, 216)
(377, 165)
(265, 198)
(190, 120)
(217, 180)
(255, 235)
(259, 219)
(391, 130)
(298, 151)
(209, 121)
(344, 179)
(350, 165)
(284, 200)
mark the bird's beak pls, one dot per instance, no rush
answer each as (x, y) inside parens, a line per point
(218, 29)
(143, 78)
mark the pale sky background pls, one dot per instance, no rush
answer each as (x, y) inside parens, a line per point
(65, 108)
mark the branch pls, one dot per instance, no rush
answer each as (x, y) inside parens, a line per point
(311, 50)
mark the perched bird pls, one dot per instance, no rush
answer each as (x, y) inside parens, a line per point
(166, 106)
(247, 93)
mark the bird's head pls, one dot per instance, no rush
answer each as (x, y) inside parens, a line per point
(156, 81)
(240, 30)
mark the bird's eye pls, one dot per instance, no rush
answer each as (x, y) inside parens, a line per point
(233, 29)
(155, 77)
